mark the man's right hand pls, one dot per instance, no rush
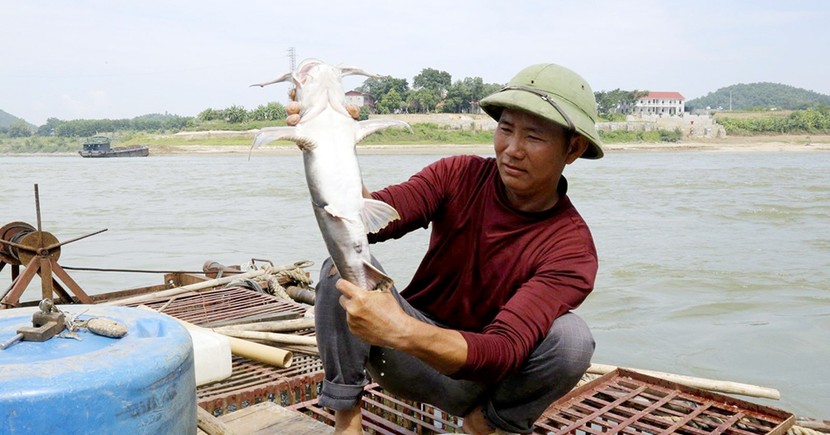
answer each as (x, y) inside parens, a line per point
(376, 318)
(373, 316)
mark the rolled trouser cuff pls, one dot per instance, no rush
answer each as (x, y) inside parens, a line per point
(340, 397)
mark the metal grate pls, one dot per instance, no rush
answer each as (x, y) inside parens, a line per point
(619, 402)
(384, 414)
(631, 403)
(214, 308)
(253, 382)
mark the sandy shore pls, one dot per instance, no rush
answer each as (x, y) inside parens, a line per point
(799, 143)
(732, 144)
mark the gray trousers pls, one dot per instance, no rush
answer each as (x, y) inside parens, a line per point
(512, 404)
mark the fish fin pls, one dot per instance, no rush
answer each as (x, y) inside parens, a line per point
(377, 280)
(298, 76)
(370, 126)
(377, 214)
(270, 134)
(350, 71)
(282, 78)
(334, 212)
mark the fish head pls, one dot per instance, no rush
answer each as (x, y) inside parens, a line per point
(317, 83)
(319, 86)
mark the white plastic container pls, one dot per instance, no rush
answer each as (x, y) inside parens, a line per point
(211, 355)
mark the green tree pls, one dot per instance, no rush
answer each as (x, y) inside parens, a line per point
(378, 87)
(430, 78)
(177, 123)
(209, 115)
(269, 112)
(463, 95)
(147, 123)
(19, 128)
(616, 101)
(235, 114)
(423, 100)
(491, 88)
(389, 103)
(50, 128)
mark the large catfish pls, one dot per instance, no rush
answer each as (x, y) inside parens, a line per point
(327, 134)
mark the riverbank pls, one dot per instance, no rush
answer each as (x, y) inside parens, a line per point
(771, 143)
(730, 144)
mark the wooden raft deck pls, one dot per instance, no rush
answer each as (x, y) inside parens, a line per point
(260, 399)
(268, 418)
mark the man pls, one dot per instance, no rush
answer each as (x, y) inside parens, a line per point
(484, 330)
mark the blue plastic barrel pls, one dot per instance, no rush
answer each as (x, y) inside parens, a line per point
(142, 383)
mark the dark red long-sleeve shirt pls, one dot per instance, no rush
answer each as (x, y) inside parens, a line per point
(498, 275)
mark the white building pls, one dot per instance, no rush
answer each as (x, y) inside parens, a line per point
(359, 99)
(660, 103)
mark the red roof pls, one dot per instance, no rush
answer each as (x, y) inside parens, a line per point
(665, 96)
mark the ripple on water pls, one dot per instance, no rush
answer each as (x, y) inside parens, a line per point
(711, 264)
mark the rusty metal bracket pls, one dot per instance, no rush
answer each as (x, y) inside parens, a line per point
(46, 323)
(45, 327)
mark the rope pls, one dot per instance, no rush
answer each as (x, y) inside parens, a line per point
(275, 288)
(298, 275)
(799, 430)
(272, 280)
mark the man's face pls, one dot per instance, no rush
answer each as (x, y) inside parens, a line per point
(531, 153)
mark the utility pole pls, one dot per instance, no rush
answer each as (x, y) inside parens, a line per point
(292, 59)
(292, 65)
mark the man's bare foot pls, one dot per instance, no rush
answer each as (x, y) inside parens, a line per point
(476, 424)
(348, 422)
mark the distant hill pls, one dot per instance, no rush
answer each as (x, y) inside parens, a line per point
(759, 96)
(7, 119)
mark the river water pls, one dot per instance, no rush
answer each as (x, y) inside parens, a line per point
(711, 264)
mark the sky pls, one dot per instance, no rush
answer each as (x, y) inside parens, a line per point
(93, 59)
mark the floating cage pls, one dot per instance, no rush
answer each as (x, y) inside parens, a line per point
(627, 402)
(619, 402)
(384, 414)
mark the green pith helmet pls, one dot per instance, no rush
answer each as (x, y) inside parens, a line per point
(555, 93)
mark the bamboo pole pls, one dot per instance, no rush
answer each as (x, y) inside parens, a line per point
(201, 285)
(272, 326)
(248, 349)
(272, 337)
(307, 350)
(702, 383)
(184, 289)
(262, 353)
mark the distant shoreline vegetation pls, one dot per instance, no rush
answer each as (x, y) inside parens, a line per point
(422, 134)
(58, 136)
(760, 109)
(808, 121)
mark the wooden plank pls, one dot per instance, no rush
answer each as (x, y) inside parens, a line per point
(269, 418)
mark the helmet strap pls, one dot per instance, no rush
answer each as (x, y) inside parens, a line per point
(545, 96)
